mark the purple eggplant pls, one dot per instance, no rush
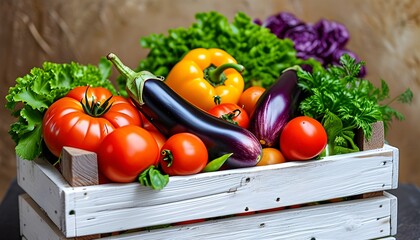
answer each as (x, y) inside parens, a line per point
(274, 109)
(171, 114)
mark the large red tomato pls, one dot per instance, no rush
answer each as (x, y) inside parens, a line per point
(84, 117)
(302, 138)
(183, 154)
(126, 152)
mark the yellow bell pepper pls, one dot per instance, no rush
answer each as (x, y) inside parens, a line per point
(205, 74)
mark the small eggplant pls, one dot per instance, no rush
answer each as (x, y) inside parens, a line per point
(170, 113)
(274, 109)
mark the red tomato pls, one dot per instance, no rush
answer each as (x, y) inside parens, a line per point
(271, 156)
(126, 152)
(302, 138)
(147, 124)
(249, 98)
(232, 113)
(84, 117)
(183, 154)
(160, 140)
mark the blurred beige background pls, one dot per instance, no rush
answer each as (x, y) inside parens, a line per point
(384, 33)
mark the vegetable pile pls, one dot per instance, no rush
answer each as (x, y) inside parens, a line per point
(190, 107)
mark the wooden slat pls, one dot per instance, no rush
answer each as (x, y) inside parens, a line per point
(371, 218)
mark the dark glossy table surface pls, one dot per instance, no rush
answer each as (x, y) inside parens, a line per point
(408, 212)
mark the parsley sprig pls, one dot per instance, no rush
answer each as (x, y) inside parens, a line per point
(345, 103)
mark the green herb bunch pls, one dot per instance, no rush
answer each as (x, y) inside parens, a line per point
(263, 54)
(344, 103)
(35, 92)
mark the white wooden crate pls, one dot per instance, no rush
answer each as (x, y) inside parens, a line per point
(80, 211)
(370, 218)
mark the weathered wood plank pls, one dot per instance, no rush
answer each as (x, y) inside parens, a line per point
(356, 219)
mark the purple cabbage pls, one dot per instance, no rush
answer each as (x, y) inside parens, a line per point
(325, 41)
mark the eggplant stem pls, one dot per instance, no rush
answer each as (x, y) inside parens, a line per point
(135, 80)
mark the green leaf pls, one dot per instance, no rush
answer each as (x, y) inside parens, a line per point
(105, 68)
(153, 178)
(332, 125)
(30, 144)
(217, 163)
(406, 96)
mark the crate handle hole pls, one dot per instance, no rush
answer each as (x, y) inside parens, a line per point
(72, 212)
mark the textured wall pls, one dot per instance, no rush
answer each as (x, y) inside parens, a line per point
(385, 34)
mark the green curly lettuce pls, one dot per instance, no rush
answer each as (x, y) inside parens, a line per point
(263, 54)
(35, 92)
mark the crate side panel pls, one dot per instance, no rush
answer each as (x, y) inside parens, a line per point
(34, 222)
(46, 186)
(120, 207)
(358, 219)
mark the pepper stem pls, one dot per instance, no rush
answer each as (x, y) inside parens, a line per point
(135, 80)
(216, 75)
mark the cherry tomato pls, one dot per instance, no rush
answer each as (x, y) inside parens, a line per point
(232, 113)
(271, 156)
(302, 138)
(183, 154)
(249, 98)
(126, 152)
(160, 140)
(146, 124)
(84, 117)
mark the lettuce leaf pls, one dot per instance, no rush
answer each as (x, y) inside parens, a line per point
(35, 92)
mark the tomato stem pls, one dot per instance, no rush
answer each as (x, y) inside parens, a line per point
(93, 108)
(231, 115)
(168, 157)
